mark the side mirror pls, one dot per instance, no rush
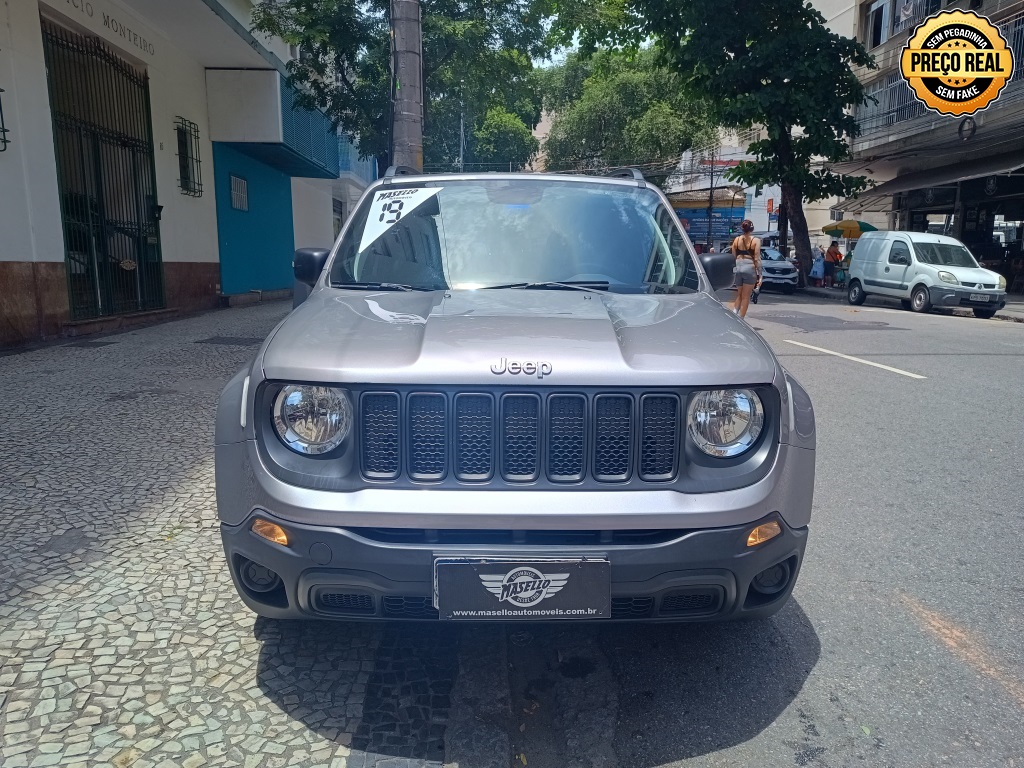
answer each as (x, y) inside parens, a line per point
(309, 263)
(718, 267)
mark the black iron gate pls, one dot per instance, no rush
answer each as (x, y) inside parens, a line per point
(106, 175)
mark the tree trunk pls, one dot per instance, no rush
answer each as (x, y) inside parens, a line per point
(793, 200)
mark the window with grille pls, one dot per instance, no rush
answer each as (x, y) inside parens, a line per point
(190, 180)
(239, 193)
(835, 215)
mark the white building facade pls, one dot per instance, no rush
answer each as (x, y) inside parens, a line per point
(151, 162)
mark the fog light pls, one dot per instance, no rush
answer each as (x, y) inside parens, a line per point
(772, 580)
(763, 533)
(271, 532)
(258, 578)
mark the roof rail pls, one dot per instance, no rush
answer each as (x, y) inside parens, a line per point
(401, 170)
(626, 173)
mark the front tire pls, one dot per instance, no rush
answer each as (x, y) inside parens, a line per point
(855, 295)
(984, 314)
(920, 300)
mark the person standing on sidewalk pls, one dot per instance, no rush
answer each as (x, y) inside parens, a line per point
(833, 256)
(747, 250)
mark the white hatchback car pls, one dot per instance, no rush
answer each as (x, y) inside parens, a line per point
(923, 270)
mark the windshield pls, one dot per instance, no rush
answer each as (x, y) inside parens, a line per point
(468, 233)
(771, 254)
(944, 255)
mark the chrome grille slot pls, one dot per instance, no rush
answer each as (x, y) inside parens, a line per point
(613, 437)
(474, 437)
(567, 429)
(659, 436)
(380, 443)
(520, 437)
(428, 436)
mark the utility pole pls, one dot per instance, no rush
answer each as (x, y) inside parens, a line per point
(407, 74)
(462, 126)
(711, 195)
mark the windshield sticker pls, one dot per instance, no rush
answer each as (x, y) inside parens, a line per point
(388, 208)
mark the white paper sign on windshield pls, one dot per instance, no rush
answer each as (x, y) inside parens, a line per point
(388, 208)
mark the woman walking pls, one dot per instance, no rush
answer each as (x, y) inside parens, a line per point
(747, 251)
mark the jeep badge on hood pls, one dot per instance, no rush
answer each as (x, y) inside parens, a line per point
(540, 367)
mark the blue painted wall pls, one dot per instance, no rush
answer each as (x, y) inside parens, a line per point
(256, 246)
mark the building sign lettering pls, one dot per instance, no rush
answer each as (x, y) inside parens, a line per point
(82, 6)
(128, 34)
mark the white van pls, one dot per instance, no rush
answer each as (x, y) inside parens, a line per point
(923, 270)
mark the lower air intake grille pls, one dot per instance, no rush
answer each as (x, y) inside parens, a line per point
(631, 607)
(694, 601)
(345, 602)
(409, 607)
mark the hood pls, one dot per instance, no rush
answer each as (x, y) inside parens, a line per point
(516, 337)
(970, 275)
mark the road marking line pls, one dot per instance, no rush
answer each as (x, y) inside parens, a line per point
(966, 646)
(856, 359)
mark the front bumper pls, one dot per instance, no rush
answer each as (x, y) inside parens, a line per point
(954, 296)
(365, 574)
(769, 279)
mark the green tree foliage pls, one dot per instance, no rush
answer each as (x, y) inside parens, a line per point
(771, 63)
(476, 56)
(614, 109)
(503, 138)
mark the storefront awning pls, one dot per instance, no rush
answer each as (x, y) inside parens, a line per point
(878, 198)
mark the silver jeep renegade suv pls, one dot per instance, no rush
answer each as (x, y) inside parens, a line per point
(513, 396)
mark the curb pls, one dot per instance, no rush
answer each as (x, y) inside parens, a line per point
(1010, 316)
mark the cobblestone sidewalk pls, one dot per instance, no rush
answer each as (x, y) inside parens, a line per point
(121, 639)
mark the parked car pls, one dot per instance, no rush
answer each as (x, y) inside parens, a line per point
(778, 271)
(923, 270)
(514, 397)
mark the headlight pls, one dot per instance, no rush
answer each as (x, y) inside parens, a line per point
(725, 422)
(1002, 283)
(312, 420)
(948, 277)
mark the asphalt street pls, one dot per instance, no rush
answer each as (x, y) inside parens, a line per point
(122, 641)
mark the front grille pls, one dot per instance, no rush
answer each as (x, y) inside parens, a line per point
(516, 437)
(409, 607)
(345, 602)
(631, 607)
(428, 436)
(613, 436)
(520, 437)
(659, 436)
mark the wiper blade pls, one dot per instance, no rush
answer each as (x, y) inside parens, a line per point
(383, 287)
(569, 285)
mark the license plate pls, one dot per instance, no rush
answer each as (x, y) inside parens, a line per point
(978, 297)
(477, 589)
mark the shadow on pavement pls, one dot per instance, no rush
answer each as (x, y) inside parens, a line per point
(385, 690)
(616, 695)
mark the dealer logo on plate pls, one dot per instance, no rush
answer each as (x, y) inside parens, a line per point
(957, 62)
(524, 586)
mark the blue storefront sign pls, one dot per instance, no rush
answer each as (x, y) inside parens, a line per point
(695, 221)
